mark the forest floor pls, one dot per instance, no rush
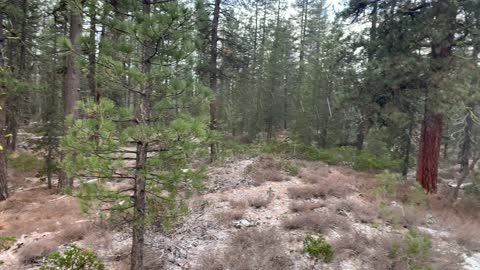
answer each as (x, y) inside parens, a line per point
(254, 214)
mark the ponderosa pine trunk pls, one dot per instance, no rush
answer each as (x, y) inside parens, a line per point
(431, 134)
(71, 82)
(143, 114)
(3, 96)
(71, 86)
(429, 151)
(214, 76)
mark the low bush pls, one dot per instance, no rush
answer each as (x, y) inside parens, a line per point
(268, 168)
(316, 222)
(259, 201)
(363, 212)
(238, 204)
(73, 258)
(413, 251)
(25, 162)
(6, 242)
(226, 217)
(360, 160)
(306, 192)
(318, 248)
(320, 190)
(305, 206)
(249, 249)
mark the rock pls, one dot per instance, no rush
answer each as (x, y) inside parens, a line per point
(244, 223)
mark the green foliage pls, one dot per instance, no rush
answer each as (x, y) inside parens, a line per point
(73, 258)
(359, 160)
(290, 168)
(168, 166)
(414, 250)
(318, 248)
(6, 242)
(387, 183)
(25, 162)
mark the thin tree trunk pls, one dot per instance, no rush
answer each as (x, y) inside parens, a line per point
(3, 96)
(465, 173)
(143, 115)
(92, 54)
(213, 76)
(406, 158)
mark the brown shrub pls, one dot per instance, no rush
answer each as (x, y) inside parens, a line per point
(304, 206)
(313, 176)
(259, 201)
(317, 222)
(466, 235)
(363, 212)
(352, 245)
(261, 176)
(228, 216)
(238, 204)
(306, 192)
(44, 246)
(321, 190)
(249, 249)
(267, 168)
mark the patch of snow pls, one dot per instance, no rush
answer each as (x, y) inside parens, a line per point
(433, 232)
(471, 262)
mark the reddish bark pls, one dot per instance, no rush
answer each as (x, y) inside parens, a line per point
(429, 151)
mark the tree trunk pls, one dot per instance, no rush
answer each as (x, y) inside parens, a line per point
(429, 151)
(143, 114)
(71, 84)
(92, 54)
(466, 150)
(366, 113)
(213, 75)
(71, 88)
(3, 96)
(139, 208)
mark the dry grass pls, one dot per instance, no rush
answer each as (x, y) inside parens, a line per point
(259, 201)
(43, 246)
(306, 192)
(314, 175)
(238, 204)
(353, 245)
(316, 222)
(268, 168)
(228, 216)
(363, 212)
(249, 249)
(305, 206)
(463, 231)
(38, 211)
(320, 190)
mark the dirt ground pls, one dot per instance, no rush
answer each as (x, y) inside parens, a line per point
(253, 212)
